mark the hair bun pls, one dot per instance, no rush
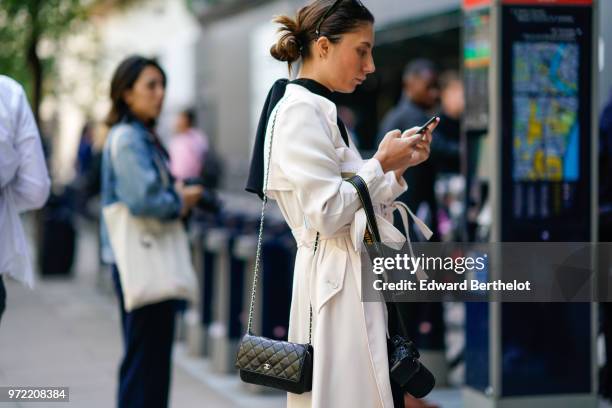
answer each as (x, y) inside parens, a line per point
(287, 47)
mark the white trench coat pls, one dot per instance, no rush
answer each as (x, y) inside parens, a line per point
(309, 159)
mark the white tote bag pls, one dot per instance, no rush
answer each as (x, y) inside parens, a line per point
(152, 256)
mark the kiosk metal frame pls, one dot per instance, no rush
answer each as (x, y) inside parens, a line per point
(493, 396)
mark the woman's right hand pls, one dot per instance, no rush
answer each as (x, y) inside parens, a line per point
(398, 153)
(190, 195)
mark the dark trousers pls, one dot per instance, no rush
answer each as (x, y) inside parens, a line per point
(144, 374)
(2, 298)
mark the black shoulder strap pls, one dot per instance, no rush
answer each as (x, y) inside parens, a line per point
(366, 202)
(372, 237)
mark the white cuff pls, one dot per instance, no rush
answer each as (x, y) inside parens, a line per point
(371, 172)
(383, 187)
(396, 187)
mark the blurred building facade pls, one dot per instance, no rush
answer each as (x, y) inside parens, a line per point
(163, 29)
(216, 56)
(235, 70)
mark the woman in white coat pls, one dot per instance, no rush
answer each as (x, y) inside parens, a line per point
(310, 154)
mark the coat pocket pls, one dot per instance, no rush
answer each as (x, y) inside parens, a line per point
(330, 274)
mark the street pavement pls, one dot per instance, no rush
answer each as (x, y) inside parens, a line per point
(65, 332)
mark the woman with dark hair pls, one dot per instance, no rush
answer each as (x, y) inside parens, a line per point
(309, 155)
(134, 167)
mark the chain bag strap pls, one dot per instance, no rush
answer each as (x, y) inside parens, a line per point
(274, 363)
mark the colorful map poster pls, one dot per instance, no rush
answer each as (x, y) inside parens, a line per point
(546, 82)
(546, 125)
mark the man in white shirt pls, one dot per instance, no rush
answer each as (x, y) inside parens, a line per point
(24, 181)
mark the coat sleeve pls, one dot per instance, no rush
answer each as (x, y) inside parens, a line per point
(138, 183)
(306, 155)
(31, 183)
(397, 188)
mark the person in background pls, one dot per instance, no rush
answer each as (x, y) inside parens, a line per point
(134, 175)
(419, 98)
(24, 181)
(417, 103)
(92, 177)
(188, 148)
(445, 146)
(193, 162)
(84, 166)
(85, 149)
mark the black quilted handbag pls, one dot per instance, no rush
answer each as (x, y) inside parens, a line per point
(274, 363)
(268, 362)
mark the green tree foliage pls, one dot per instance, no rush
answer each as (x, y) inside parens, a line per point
(24, 25)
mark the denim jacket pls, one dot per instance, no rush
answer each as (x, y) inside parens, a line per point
(133, 178)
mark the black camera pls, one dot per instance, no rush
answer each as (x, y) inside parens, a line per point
(208, 202)
(406, 369)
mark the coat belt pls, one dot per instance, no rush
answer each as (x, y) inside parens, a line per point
(306, 236)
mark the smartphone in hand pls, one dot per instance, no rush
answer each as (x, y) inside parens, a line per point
(426, 125)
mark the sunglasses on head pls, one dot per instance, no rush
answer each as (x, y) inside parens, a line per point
(330, 11)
